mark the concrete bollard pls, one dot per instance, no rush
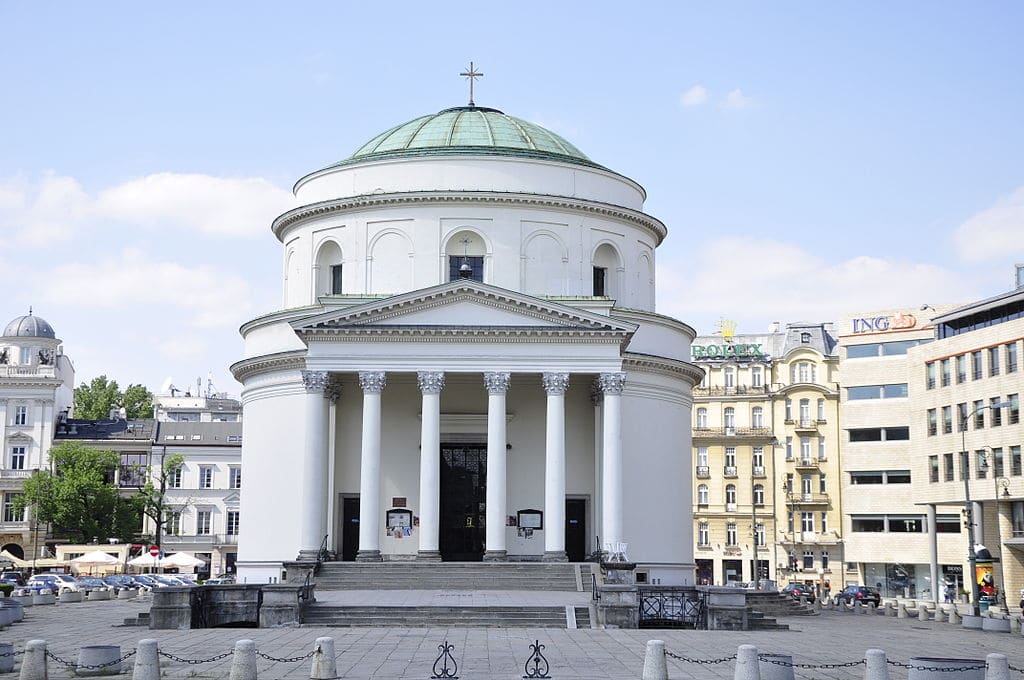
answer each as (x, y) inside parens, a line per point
(33, 663)
(940, 614)
(96, 595)
(803, 600)
(243, 661)
(147, 661)
(954, 616)
(127, 594)
(655, 664)
(816, 607)
(1014, 624)
(901, 611)
(996, 667)
(98, 655)
(6, 657)
(890, 609)
(922, 612)
(877, 667)
(747, 665)
(872, 608)
(6, 616)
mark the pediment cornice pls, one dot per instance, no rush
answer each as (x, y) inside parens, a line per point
(370, 201)
(282, 361)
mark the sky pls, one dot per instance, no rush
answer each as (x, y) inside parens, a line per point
(809, 159)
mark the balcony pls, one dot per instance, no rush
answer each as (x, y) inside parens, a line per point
(806, 424)
(729, 471)
(182, 542)
(719, 391)
(703, 472)
(738, 432)
(807, 464)
(808, 499)
(730, 507)
(16, 474)
(758, 471)
(7, 371)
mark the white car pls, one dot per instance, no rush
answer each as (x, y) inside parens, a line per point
(58, 583)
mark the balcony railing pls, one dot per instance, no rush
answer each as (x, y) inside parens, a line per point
(706, 432)
(703, 472)
(36, 371)
(720, 391)
(16, 474)
(730, 471)
(806, 424)
(730, 507)
(808, 463)
(758, 471)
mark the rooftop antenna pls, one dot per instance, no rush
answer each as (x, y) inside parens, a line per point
(465, 271)
(472, 75)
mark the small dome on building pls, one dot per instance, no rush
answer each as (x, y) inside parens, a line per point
(29, 327)
(469, 130)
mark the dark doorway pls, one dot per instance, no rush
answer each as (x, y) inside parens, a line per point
(576, 529)
(349, 528)
(463, 502)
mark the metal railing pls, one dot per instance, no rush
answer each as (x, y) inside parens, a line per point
(667, 607)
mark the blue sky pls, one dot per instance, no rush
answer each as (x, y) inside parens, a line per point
(808, 158)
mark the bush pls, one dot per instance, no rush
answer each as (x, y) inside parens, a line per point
(6, 589)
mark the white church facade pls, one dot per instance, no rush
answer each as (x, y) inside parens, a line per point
(467, 364)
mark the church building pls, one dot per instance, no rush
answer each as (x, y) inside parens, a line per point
(467, 364)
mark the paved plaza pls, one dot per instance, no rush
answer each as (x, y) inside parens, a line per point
(408, 653)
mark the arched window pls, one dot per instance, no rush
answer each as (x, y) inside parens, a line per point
(730, 417)
(465, 253)
(328, 269)
(606, 271)
(758, 494)
(730, 495)
(702, 418)
(702, 494)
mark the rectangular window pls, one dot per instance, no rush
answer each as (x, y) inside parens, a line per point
(172, 523)
(808, 559)
(931, 372)
(232, 523)
(789, 448)
(758, 458)
(824, 559)
(997, 462)
(17, 457)
(979, 414)
(805, 449)
(897, 477)
(821, 410)
(235, 481)
(933, 469)
(947, 524)
(1011, 357)
(755, 377)
(26, 356)
(980, 464)
(205, 477)
(961, 368)
(600, 275)
(1013, 410)
(21, 415)
(730, 456)
(993, 361)
(933, 422)
(822, 487)
(866, 478)
(174, 477)
(730, 533)
(947, 419)
(824, 522)
(12, 514)
(893, 391)
(961, 416)
(1015, 461)
(204, 522)
(997, 413)
(948, 467)
(906, 525)
(474, 268)
(759, 534)
(789, 409)
(822, 454)
(944, 369)
(134, 469)
(976, 372)
(878, 434)
(703, 535)
(807, 522)
(336, 279)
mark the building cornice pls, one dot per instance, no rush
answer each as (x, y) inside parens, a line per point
(639, 316)
(281, 361)
(671, 367)
(654, 226)
(471, 334)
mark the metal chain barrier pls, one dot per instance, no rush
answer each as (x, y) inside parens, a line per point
(814, 666)
(85, 667)
(195, 662)
(898, 664)
(1015, 669)
(831, 666)
(14, 653)
(702, 662)
(289, 659)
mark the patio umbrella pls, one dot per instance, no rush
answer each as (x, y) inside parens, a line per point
(96, 558)
(181, 561)
(144, 560)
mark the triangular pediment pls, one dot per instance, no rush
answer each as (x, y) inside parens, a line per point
(461, 305)
(19, 437)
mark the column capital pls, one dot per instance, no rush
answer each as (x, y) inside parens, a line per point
(430, 382)
(372, 381)
(555, 384)
(612, 383)
(497, 382)
(333, 389)
(314, 381)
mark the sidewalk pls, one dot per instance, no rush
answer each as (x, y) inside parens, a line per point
(408, 653)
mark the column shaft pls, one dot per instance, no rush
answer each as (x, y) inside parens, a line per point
(369, 472)
(554, 468)
(497, 442)
(431, 385)
(933, 553)
(313, 523)
(611, 449)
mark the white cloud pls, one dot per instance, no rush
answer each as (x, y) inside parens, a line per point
(36, 213)
(758, 281)
(214, 205)
(994, 233)
(695, 96)
(736, 100)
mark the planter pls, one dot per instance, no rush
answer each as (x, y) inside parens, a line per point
(95, 595)
(44, 598)
(14, 607)
(23, 600)
(127, 594)
(972, 622)
(996, 625)
(98, 655)
(69, 596)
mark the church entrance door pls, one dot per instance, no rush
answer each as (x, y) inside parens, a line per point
(463, 502)
(349, 528)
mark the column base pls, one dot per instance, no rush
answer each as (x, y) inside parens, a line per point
(369, 556)
(307, 555)
(496, 556)
(428, 556)
(555, 556)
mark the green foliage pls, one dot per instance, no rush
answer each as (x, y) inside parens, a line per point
(151, 498)
(6, 589)
(79, 498)
(93, 401)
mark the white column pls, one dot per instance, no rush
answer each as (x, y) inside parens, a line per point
(596, 398)
(372, 383)
(431, 384)
(333, 394)
(611, 449)
(933, 553)
(314, 466)
(555, 385)
(497, 485)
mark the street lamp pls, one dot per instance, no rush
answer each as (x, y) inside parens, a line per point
(972, 558)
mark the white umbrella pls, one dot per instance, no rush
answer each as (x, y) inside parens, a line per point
(96, 558)
(181, 561)
(144, 560)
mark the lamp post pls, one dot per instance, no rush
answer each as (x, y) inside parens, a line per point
(753, 530)
(791, 509)
(972, 558)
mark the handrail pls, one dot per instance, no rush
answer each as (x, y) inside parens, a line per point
(321, 555)
(595, 593)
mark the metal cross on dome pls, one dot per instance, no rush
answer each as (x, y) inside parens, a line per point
(472, 75)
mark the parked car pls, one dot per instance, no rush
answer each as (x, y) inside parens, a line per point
(859, 594)
(220, 580)
(798, 590)
(147, 581)
(58, 583)
(13, 577)
(173, 581)
(87, 584)
(120, 582)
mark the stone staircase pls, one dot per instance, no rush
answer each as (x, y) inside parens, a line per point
(763, 607)
(441, 617)
(450, 576)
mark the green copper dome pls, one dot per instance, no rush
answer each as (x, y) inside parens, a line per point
(469, 130)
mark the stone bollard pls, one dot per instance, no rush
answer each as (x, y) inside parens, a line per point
(33, 663)
(901, 611)
(7, 657)
(940, 614)
(877, 667)
(996, 667)
(872, 608)
(954, 616)
(95, 595)
(747, 665)
(922, 612)
(816, 607)
(243, 661)
(655, 664)
(147, 661)
(1014, 624)
(803, 600)
(99, 655)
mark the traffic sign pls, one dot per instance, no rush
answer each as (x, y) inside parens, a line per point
(154, 550)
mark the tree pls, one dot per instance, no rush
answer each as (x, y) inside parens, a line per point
(94, 401)
(152, 498)
(79, 497)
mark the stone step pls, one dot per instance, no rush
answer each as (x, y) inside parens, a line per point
(415, 617)
(448, 576)
(583, 618)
